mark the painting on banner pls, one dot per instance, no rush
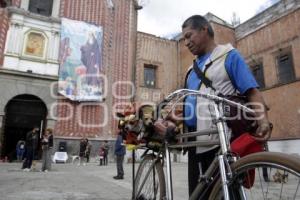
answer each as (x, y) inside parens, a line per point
(80, 59)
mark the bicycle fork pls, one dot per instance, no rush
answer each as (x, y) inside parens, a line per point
(223, 176)
(224, 166)
(169, 174)
(224, 142)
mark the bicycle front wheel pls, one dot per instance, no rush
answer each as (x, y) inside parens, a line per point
(150, 180)
(265, 175)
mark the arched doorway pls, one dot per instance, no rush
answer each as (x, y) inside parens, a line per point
(22, 113)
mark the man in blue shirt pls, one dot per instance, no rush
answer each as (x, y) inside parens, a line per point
(226, 68)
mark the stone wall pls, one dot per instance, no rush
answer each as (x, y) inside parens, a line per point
(261, 39)
(223, 34)
(163, 54)
(185, 61)
(284, 103)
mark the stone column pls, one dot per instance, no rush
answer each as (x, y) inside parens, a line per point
(11, 38)
(14, 43)
(18, 39)
(55, 49)
(50, 46)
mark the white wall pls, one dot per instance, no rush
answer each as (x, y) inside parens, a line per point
(285, 146)
(14, 57)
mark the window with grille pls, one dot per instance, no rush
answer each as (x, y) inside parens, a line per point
(258, 73)
(149, 75)
(42, 7)
(285, 67)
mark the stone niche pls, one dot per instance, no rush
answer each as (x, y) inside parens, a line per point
(35, 44)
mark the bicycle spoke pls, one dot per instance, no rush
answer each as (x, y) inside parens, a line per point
(285, 184)
(145, 178)
(297, 189)
(251, 190)
(154, 183)
(281, 189)
(261, 185)
(269, 179)
(149, 182)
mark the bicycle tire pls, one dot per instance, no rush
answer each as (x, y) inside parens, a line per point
(241, 168)
(148, 191)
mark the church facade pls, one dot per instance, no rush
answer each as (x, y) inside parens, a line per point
(29, 69)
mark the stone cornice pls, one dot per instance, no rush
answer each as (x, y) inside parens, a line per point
(28, 75)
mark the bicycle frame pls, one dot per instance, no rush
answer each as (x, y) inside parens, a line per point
(222, 160)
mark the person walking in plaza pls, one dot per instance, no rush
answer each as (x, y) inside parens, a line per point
(20, 150)
(101, 156)
(120, 152)
(106, 150)
(47, 144)
(88, 149)
(31, 145)
(82, 149)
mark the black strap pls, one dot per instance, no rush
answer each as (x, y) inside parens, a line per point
(201, 75)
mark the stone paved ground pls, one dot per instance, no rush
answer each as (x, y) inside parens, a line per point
(72, 182)
(93, 182)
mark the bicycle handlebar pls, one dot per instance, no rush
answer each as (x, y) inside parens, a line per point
(185, 92)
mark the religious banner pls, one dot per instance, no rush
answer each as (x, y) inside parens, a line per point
(80, 61)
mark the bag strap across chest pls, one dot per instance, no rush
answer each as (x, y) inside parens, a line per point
(201, 75)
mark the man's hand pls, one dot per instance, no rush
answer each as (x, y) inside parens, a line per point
(161, 126)
(264, 130)
(173, 116)
(167, 129)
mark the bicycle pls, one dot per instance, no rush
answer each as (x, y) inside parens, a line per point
(227, 176)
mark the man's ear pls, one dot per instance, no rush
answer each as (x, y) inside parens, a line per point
(204, 28)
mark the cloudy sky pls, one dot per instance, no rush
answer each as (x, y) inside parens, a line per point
(164, 17)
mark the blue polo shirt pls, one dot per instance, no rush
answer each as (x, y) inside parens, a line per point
(238, 71)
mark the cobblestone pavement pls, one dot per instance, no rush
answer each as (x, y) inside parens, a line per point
(93, 182)
(72, 182)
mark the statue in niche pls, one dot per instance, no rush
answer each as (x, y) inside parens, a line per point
(35, 44)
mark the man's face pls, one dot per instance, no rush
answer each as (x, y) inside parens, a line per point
(195, 40)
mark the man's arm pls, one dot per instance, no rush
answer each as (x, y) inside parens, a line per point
(264, 129)
(244, 81)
